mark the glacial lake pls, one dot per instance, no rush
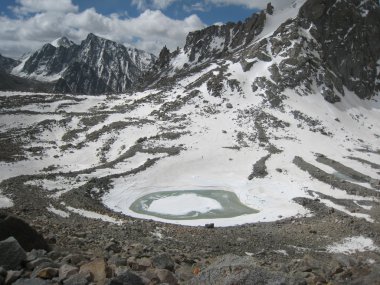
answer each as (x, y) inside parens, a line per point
(191, 205)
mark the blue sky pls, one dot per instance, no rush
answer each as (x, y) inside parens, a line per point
(26, 25)
(209, 13)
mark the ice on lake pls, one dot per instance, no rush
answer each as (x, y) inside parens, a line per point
(191, 204)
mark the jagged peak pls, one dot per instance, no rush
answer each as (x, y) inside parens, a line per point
(92, 37)
(62, 42)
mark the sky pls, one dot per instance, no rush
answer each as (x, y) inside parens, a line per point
(25, 25)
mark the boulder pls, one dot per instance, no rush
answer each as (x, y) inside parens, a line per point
(98, 270)
(37, 262)
(12, 276)
(166, 276)
(27, 237)
(78, 279)
(47, 273)
(45, 265)
(163, 261)
(66, 271)
(127, 278)
(11, 253)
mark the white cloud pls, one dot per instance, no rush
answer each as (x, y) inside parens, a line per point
(150, 31)
(198, 6)
(152, 4)
(37, 6)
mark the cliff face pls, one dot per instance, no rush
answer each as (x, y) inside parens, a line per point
(349, 35)
(95, 66)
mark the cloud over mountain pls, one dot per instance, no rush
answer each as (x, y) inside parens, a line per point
(33, 26)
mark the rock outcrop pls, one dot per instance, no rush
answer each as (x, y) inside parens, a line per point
(95, 66)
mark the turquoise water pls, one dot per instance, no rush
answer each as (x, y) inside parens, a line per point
(191, 205)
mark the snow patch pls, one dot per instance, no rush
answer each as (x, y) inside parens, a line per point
(58, 212)
(93, 215)
(5, 202)
(353, 244)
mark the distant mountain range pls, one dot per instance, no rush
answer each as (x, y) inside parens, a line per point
(95, 66)
(328, 45)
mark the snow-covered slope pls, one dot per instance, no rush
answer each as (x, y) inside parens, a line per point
(270, 121)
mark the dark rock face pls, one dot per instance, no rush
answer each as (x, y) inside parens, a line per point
(27, 236)
(12, 253)
(9, 82)
(217, 41)
(349, 34)
(6, 63)
(95, 66)
(163, 58)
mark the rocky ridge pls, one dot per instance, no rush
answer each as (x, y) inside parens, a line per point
(321, 48)
(95, 66)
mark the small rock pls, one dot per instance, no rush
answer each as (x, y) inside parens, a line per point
(37, 262)
(42, 266)
(139, 264)
(12, 276)
(47, 273)
(66, 271)
(78, 279)
(117, 261)
(166, 276)
(229, 106)
(163, 261)
(209, 226)
(34, 254)
(12, 253)
(112, 246)
(33, 281)
(127, 278)
(74, 259)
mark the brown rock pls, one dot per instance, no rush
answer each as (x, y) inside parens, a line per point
(140, 264)
(98, 270)
(47, 273)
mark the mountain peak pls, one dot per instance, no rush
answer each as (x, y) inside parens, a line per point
(62, 42)
(92, 37)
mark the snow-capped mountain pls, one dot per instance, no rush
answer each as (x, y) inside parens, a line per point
(95, 66)
(317, 45)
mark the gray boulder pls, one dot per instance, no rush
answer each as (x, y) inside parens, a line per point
(127, 278)
(27, 237)
(163, 261)
(12, 253)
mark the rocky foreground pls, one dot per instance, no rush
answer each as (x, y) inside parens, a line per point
(85, 251)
